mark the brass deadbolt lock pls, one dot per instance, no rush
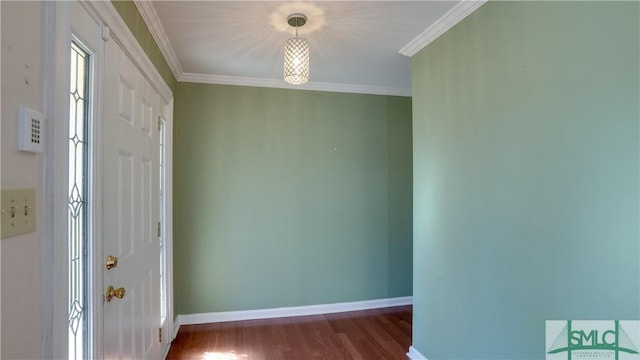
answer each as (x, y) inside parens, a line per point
(111, 262)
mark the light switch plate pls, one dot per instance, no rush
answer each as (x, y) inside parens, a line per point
(18, 211)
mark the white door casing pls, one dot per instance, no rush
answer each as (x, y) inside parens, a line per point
(67, 22)
(124, 189)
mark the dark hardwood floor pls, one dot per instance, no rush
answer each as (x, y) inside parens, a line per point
(363, 335)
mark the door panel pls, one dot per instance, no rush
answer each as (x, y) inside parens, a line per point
(130, 212)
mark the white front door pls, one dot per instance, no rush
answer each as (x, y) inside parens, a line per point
(103, 178)
(130, 154)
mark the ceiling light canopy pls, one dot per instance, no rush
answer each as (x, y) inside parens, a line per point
(296, 54)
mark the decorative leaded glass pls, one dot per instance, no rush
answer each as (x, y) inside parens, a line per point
(77, 202)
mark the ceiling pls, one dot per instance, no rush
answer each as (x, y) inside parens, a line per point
(355, 45)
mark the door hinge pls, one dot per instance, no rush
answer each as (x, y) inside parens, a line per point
(159, 334)
(159, 232)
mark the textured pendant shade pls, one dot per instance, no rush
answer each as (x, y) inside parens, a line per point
(296, 54)
(296, 61)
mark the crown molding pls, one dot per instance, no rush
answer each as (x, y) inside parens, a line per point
(281, 84)
(442, 25)
(150, 17)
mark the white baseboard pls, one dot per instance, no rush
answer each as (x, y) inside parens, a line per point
(176, 328)
(203, 318)
(166, 351)
(414, 354)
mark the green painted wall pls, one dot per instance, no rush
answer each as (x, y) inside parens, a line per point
(131, 16)
(288, 198)
(399, 194)
(526, 176)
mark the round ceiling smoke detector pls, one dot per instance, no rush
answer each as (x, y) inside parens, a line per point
(297, 20)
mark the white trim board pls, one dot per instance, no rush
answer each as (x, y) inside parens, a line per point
(120, 32)
(414, 354)
(225, 316)
(150, 17)
(281, 84)
(442, 25)
(58, 26)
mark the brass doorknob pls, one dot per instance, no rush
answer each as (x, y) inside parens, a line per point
(111, 262)
(111, 292)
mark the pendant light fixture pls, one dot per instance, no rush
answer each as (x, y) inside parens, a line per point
(296, 54)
